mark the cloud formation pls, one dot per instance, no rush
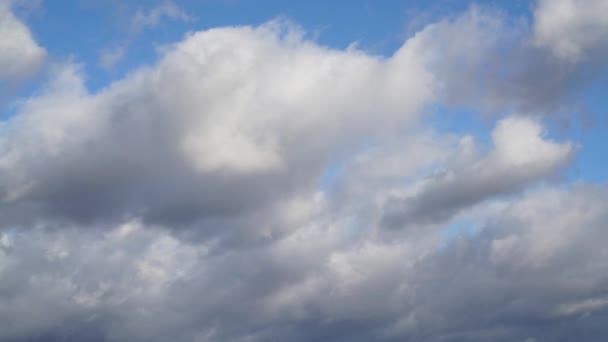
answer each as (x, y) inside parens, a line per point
(516, 65)
(572, 30)
(241, 187)
(20, 55)
(229, 122)
(519, 157)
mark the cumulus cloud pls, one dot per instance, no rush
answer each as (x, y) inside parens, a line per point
(138, 283)
(152, 17)
(511, 65)
(20, 55)
(229, 122)
(572, 30)
(237, 190)
(519, 156)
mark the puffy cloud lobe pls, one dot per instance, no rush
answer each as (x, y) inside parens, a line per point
(511, 65)
(519, 156)
(20, 55)
(572, 30)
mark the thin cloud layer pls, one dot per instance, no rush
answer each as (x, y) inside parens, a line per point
(241, 187)
(146, 19)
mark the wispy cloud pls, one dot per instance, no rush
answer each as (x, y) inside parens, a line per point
(143, 19)
(168, 10)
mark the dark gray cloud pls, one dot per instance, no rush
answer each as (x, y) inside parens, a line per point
(534, 271)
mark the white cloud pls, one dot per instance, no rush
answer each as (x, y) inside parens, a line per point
(20, 55)
(144, 19)
(519, 157)
(229, 121)
(183, 203)
(572, 29)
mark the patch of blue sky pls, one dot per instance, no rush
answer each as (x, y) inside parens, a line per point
(82, 30)
(338, 164)
(461, 121)
(332, 173)
(461, 227)
(587, 129)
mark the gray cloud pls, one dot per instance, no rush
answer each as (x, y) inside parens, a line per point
(20, 55)
(513, 65)
(229, 123)
(573, 31)
(519, 157)
(185, 202)
(534, 271)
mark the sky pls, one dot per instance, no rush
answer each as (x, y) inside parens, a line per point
(237, 170)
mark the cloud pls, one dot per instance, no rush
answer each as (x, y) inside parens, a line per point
(20, 55)
(222, 127)
(142, 20)
(572, 30)
(519, 157)
(512, 64)
(152, 17)
(185, 201)
(538, 260)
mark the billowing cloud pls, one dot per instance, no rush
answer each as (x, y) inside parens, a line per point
(229, 122)
(20, 55)
(498, 64)
(573, 30)
(519, 156)
(538, 260)
(239, 188)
